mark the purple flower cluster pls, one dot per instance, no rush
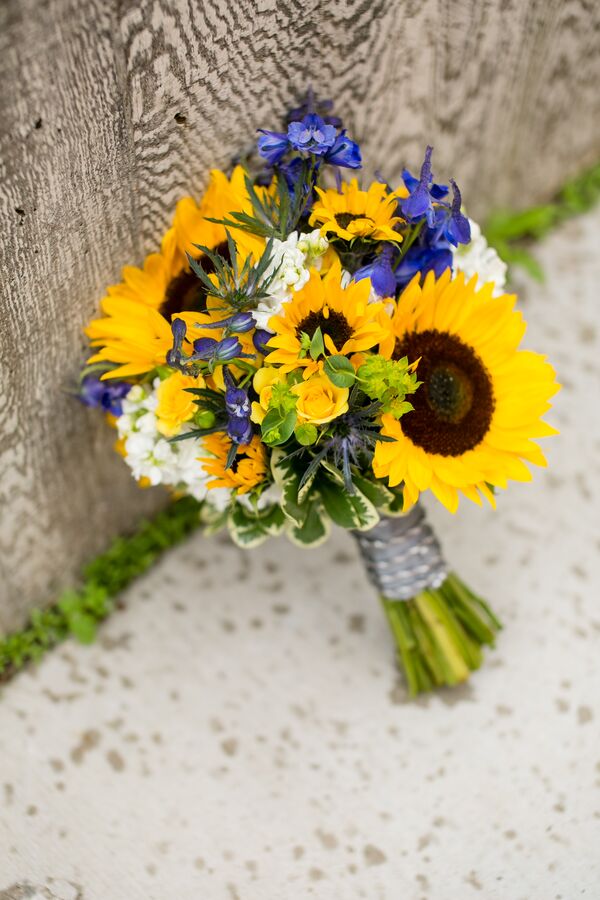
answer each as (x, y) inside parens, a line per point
(310, 135)
(106, 395)
(237, 405)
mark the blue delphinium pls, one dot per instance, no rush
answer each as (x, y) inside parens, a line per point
(106, 395)
(237, 405)
(311, 104)
(440, 225)
(345, 153)
(423, 191)
(381, 272)
(208, 349)
(260, 339)
(311, 135)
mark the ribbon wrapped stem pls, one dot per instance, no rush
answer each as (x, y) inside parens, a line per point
(438, 624)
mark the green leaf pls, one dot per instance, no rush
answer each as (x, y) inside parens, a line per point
(317, 347)
(83, 627)
(306, 434)
(340, 371)
(278, 427)
(351, 511)
(379, 495)
(287, 478)
(249, 528)
(314, 530)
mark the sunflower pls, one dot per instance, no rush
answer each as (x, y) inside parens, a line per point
(130, 331)
(353, 213)
(223, 197)
(249, 466)
(348, 322)
(481, 398)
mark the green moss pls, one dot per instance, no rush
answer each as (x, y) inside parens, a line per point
(78, 612)
(512, 232)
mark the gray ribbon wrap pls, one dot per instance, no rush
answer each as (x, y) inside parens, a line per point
(402, 555)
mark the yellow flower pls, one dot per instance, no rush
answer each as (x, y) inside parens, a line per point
(249, 467)
(175, 404)
(263, 382)
(348, 322)
(481, 399)
(132, 334)
(353, 213)
(165, 284)
(223, 197)
(319, 400)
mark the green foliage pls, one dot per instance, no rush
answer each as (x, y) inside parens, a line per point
(511, 233)
(388, 381)
(249, 528)
(278, 425)
(340, 371)
(78, 612)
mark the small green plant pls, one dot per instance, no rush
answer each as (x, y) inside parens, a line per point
(511, 232)
(78, 612)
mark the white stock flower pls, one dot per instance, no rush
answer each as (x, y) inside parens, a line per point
(291, 261)
(150, 456)
(478, 258)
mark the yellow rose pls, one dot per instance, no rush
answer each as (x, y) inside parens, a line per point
(263, 383)
(175, 404)
(319, 400)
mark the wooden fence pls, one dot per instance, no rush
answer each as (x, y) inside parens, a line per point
(110, 111)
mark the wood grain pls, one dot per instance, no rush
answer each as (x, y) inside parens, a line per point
(112, 110)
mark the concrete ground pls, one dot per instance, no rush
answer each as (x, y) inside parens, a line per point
(239, 732)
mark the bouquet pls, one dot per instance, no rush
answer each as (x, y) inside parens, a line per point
(306, 349)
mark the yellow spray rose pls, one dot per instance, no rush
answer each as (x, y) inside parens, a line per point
(263, 383)
(319, 400)
(175, 404)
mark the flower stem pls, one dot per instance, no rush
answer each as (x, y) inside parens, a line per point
(439, 634)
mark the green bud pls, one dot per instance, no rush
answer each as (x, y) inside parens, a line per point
(204, 418)
(306, 434)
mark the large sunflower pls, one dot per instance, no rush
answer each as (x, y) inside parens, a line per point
(352, 213)
(348, 322)
(131, 331)
(481, 399)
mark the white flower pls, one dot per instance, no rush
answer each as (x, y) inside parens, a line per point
(149, 455)
(478, 258)
(291, 261)
(314, 246)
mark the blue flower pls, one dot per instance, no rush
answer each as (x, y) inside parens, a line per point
(423, 192)
(220, 351)
(312, 105)
(423, 259)
(260, 339)
(272, 146)
(174, 355)
(344, 153)
(380, 272)
(458, 229)
(237, 404)
(311, 135)
(239, 323)
(240, 431)
(106, 395)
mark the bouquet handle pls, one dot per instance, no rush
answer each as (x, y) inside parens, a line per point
(438, 624)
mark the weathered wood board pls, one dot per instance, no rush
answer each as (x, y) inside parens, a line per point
(110, 111)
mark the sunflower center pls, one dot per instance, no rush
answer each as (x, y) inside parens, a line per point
(453, 408)
(335, 325)
(344, 219)
(185, 292)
